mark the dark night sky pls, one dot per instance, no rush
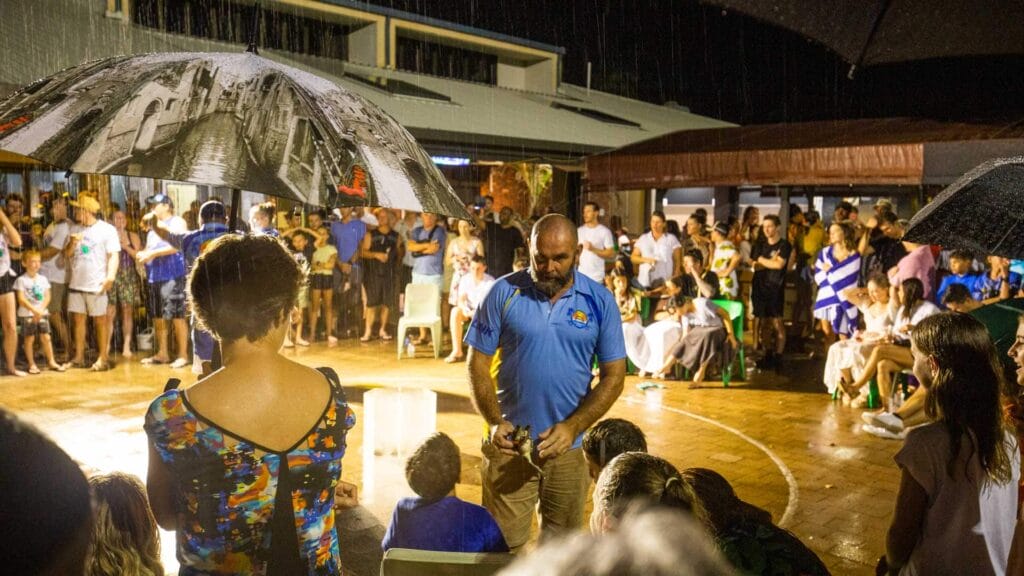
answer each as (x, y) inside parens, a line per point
(733, 67)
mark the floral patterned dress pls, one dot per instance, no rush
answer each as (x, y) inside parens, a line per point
(227, 490)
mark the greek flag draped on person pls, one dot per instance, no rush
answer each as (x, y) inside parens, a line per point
(831, 283)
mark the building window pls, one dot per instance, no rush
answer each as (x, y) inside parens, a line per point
(446, 61)
(230, 22)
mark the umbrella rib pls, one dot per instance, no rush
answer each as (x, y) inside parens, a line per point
(1007, 234)
(871, 37)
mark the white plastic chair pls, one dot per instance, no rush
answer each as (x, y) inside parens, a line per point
(422, 309)
(406, 562)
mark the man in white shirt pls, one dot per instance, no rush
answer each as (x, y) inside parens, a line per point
(597, 243)
(54, 266)
(657, 253)
(92, 251)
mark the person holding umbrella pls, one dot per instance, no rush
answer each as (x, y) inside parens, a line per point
(93, 251)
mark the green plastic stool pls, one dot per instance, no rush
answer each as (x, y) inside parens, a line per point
(874, 398)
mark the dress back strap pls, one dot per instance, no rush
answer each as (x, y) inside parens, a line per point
(335, 382)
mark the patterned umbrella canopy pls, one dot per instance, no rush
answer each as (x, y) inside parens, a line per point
(982, 212)
(235, 120)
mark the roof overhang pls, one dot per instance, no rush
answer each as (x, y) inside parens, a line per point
(844, 153)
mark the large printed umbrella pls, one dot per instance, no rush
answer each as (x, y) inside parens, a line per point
(235, 120)
(982, 212)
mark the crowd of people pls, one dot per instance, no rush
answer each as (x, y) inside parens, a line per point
(248, 486)
(107, 265)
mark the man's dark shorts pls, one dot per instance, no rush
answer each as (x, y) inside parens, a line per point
(167, 299)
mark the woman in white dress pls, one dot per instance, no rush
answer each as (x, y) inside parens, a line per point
(846, 358)
(628, 301)
(893, 354)
(460, 256)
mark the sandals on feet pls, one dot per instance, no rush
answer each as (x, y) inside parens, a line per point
(33, 370)
(58, 367)
(179, 363)
(100, 366)
(151, 361)
(385, 336)
(453, 359)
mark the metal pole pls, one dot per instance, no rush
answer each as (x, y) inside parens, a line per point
(236, 205)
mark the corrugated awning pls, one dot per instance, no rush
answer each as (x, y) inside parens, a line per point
(893, 151)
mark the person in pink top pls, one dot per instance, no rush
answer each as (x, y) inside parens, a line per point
(918, 263)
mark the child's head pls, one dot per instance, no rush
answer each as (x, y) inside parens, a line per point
(433, 469)
(960, 262)
(125, 536)
(520, 264)
(609, 438)
(956, 361)
(299, 241)
(31, 260)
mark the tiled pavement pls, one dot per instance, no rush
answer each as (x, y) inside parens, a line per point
(780, 440)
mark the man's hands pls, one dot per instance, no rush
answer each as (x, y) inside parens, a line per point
(144, 256)
(346, 495)
(556, 440)
(500, 438)
(107, 285)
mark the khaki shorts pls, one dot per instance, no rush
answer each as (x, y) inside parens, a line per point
(512, 490)
(87, 303)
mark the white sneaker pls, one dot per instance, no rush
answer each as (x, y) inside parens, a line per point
(885, 420)
(883, 433)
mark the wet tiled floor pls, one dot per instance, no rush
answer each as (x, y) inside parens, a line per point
(779, 440)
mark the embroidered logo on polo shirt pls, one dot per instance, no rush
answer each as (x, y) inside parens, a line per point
(579, 319)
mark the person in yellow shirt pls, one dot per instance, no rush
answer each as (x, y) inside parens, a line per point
(814, 236)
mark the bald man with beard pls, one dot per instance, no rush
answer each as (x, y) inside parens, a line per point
(538, 331)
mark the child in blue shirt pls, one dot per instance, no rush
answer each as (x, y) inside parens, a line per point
(437, 520)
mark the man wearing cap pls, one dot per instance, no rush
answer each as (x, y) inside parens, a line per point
(597, 243)
(212, 224)
(165, 274)
(92, 252)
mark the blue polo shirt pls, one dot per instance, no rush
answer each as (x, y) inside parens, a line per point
(348, 236)
(546, 349)
(194, 243)
(429, 264)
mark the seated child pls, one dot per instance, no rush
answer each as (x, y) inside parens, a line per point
(438, 520)
(33, 293)
(609, 438)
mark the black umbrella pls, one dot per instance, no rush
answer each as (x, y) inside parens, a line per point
(234, 120)
(982, 212)
(866, 32)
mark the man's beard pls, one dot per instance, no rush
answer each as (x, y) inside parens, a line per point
(550, 285)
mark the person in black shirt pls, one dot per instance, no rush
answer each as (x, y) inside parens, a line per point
(501, 242)
(880, 246)
(695, 282)
(772, 256)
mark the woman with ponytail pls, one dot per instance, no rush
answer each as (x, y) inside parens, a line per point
(637, 477)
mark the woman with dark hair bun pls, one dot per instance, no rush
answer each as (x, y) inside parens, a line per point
(745, 533)
(245, 465)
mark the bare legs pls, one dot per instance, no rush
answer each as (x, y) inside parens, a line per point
(900, 355)
(10, 331)
(327, 296)
(455, 324)
(47, 345)
(830, 334)
(127, 326)
(371, 319)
